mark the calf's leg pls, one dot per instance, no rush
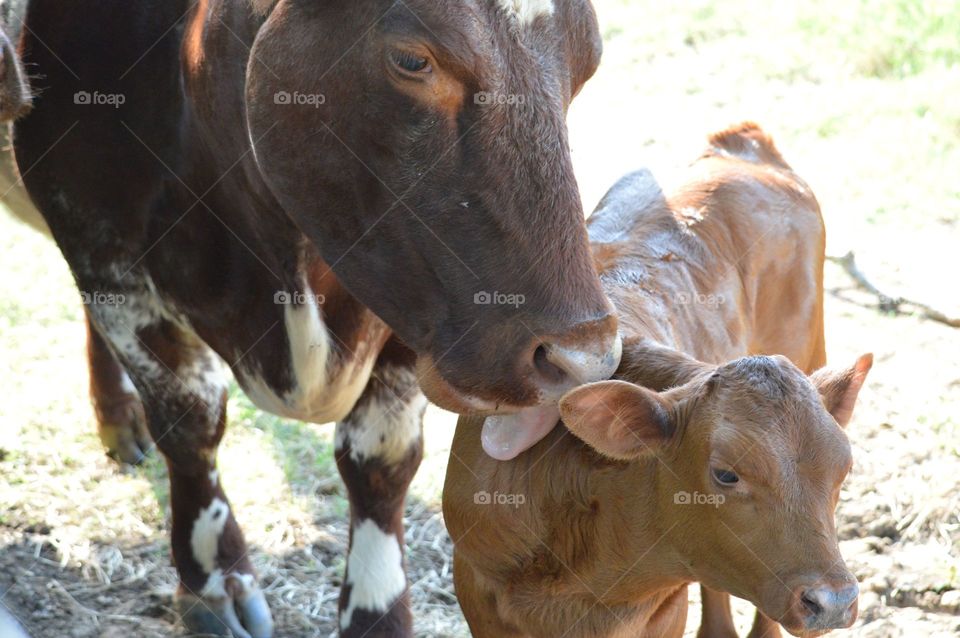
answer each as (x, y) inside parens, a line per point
(378, 448)
(764, 627)
(716, 620)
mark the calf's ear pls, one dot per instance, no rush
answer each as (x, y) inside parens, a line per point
(618, 419)
(839, 388)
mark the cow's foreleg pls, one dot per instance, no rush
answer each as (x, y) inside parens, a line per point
(378, 448)
(184, 397)
(120, 420)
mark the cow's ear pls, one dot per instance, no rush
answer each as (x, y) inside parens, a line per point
(839, 388)
(618, 419)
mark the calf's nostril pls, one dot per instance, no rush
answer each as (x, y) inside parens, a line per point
(811, 604)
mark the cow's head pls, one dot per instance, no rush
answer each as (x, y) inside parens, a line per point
(751, 459)
(422, 145)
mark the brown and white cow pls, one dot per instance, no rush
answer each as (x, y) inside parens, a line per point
(327, 196)
(712, 458)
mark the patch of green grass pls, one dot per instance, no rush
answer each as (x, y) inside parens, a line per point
(154, 470)
(887, 38)
(306, 459)
(831, 125)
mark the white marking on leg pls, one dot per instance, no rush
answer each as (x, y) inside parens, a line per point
(386, 427)
(374, 571)
(126, 384)
(136, 307)
(527, 10)
(204, 539)
(214, 476)
(215, 587)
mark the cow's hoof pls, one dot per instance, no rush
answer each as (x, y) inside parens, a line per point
(122, 427)
(245, 615)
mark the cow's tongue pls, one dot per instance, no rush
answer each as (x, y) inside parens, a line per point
(506, 436)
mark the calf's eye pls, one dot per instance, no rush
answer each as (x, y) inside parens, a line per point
(725, 477)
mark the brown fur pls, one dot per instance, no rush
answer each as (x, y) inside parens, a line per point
(727, 266)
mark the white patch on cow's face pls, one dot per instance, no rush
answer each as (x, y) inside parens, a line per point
(374, 571)
(527, 10)
(323, 391)
(205, 536)
(385, 429)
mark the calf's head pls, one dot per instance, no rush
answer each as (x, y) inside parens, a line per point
(749, 458)
(422, 146)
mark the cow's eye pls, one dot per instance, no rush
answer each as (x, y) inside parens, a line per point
(410, 62)
(725, 477)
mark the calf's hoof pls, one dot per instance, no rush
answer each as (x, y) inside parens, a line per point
(122, 427)
(241, 613)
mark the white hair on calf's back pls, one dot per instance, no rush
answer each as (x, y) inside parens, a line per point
(527, 10)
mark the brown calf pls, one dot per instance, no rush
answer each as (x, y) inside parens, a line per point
(707, 462)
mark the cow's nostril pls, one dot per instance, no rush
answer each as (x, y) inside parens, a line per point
(558, 367)
(548, 371)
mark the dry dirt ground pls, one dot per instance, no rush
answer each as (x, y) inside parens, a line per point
(862, 100)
